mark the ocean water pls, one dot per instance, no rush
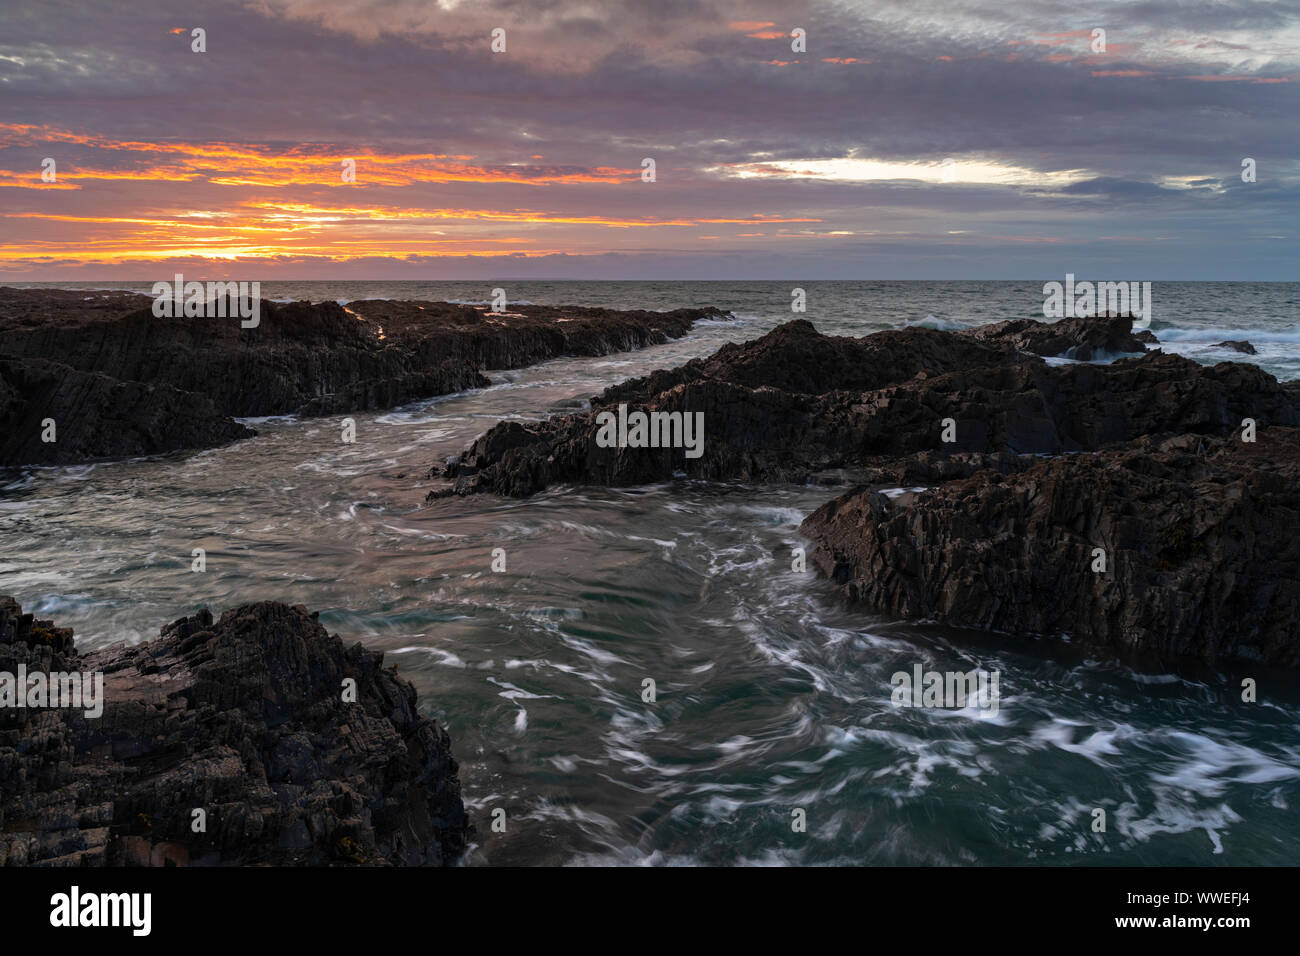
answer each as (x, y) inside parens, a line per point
(772, 697)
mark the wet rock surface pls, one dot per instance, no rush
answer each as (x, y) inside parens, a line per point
(90, 415)
(843, 402)
(1197, 537)
(1241, 345)
(242, 717)
(312, 359)
(1084, 339)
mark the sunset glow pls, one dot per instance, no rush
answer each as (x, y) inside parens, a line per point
(401, 141)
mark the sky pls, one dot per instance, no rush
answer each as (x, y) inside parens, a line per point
(854, 139)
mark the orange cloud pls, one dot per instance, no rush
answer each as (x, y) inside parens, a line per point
(264, 228)
(274, 205)
(229, 164)
(308, 211)
(32, 181)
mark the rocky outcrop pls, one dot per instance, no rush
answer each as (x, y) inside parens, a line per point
(51, 414)
(1239, 345)
(776, 408)
(247, 719)
(312, 359)
(1198, 550)
(798, 359)
(1081, 338)
(794, 402)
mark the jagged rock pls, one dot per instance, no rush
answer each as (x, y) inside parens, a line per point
(241, 717)
(313, 359)
(1198, 532)
(1080, 337)
(794, 402)
(795, 357)
(1041, 409)
(1083, 338)
(96, 416)
(1242, 346)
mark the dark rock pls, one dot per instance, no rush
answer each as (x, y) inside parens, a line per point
(842, 402)
(241, 717)
(313, 359)
(929, 467)
(1242, 346)
(1041, 409)
(1077, 338)
(96, 416)
(796, 358)
(1198, 532)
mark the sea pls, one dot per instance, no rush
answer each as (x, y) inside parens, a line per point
(772, 737)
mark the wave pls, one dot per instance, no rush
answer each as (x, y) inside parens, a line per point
(1212, 335)
(932, 322)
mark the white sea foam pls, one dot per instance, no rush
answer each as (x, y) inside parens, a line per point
(932, 322)
(1211, 336)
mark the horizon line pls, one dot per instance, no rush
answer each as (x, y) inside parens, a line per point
(520, 279)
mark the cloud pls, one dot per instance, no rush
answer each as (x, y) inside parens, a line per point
(551, 34)
(463, 154)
